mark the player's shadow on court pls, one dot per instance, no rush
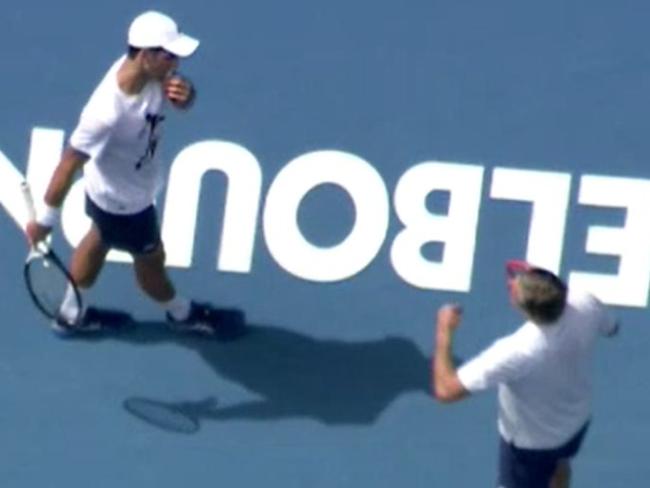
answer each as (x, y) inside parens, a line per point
(291, 374)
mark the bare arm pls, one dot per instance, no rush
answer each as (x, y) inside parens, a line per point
(446, 386)
(62, 179)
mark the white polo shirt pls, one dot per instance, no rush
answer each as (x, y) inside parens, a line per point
(543, 374)
(120, 133)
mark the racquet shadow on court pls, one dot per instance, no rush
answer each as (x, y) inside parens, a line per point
(291, 374)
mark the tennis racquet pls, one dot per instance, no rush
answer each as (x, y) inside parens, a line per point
(46, 277)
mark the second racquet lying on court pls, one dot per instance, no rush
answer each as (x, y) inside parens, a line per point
(46, 277)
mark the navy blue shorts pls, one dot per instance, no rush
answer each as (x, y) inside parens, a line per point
(134, 233)
(534, 468)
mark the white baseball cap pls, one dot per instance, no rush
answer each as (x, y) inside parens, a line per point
(153, 29)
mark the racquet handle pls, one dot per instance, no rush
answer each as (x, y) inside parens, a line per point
(29, 200)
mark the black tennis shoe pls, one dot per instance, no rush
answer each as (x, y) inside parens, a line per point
(203, 319)
(94, 320)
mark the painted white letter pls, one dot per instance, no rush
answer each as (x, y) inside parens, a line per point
(286, 242)
(456, 230)
(549, 194)
(630, 242)
(44, 153)
(241, 208)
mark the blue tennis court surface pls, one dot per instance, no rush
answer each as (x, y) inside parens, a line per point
(330, 385)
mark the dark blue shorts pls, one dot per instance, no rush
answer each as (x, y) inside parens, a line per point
(534, 468)
(134, 233)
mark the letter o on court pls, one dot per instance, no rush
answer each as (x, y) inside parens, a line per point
(286, 242)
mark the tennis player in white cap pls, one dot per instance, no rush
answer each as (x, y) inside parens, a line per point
(115, 143)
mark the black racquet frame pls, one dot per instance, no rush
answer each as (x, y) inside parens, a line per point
(52, 259)
(42, 251)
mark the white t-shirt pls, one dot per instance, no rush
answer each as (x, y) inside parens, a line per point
(543, 374)
(120, 133)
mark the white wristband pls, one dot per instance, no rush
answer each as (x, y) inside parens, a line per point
(49, 216)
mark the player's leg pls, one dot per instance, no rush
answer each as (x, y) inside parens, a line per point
(148, 253)
(145, 245)
(562, 475)
(182, 314)
(152, 276)
(88, 259)
(85, 265)
(532, 468)
(139, 235)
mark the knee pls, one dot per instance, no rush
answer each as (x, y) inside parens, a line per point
(159, 255)
(155, 258)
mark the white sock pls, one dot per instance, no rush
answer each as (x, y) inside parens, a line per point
(69, 309)
(178, 307)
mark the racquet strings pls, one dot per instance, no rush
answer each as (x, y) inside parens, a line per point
(48, 284)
